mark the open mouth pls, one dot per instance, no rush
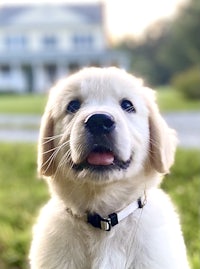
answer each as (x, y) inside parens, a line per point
(102, 159)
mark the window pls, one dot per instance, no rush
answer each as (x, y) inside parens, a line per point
(5, 69)
(16, 42)
(49, 42)
(83, 41)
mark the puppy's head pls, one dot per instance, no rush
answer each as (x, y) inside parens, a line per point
(102, 125)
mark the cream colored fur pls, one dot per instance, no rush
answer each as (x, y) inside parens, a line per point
(149, 238)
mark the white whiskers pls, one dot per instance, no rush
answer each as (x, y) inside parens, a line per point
(50, 138)
(55, 151)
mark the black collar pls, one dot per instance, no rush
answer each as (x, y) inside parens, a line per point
(113, 219)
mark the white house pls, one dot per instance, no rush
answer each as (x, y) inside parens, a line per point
(40, 43)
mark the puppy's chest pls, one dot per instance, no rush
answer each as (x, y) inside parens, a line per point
(102, 249)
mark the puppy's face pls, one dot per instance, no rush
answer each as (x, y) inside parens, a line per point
(97, 126)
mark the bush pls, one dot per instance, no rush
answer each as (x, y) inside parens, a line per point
(188, 83)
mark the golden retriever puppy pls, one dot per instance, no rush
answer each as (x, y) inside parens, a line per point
(104, 148)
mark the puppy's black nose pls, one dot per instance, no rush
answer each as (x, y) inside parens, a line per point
(100, 123)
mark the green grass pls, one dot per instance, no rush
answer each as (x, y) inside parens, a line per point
(21, 196)
(171, 100)
(168, 99)
(183, 185)
(22, 104)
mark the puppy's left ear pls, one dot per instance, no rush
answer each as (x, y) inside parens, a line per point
(163, 141)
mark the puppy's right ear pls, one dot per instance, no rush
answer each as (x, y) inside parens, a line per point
(46, 164)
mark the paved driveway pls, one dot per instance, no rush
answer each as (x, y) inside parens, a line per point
(187, 125)
(20, 128)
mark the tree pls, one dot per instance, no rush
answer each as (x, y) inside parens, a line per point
(168, 47)
(182, 49)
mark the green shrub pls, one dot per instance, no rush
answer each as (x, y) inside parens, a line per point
(188, 83)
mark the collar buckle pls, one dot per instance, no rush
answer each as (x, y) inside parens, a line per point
(97, 221)
(105, 224)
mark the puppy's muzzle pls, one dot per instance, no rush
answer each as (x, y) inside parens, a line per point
(101, 153)
(100, 128)
(100, 123)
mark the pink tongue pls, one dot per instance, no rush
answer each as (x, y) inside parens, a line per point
(96, 158)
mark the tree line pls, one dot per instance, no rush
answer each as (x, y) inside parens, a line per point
(168, 47)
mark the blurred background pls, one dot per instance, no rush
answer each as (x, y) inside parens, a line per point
(42, 41)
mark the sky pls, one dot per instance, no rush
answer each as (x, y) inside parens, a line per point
(124, 18)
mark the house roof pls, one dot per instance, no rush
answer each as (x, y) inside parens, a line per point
(47, 13)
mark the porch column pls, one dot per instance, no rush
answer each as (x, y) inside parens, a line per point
(40, 80)
(62, 71)
(18, 79)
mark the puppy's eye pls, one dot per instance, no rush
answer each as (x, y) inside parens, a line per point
(127, 106)
(73, 106)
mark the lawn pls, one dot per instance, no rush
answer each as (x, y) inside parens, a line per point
(171, 100)
(22, 104)
(21, 195)
(168, 99)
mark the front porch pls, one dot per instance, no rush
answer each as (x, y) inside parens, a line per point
(37, 73)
